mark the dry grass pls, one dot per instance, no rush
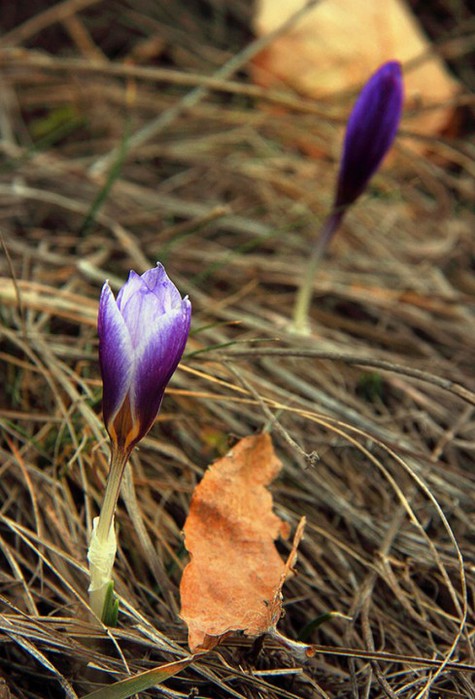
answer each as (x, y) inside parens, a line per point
(373, 416)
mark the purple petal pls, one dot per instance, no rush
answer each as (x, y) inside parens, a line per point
(370, 132)
(156, 360)
(158, 282)
(115, 355)
(133, 284)
(144, 299)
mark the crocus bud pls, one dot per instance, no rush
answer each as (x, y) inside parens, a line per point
(142, 336)
(370, 132)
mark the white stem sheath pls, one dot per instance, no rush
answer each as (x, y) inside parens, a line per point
(101, 555)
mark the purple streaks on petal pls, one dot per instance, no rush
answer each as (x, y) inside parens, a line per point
(371, 129)
(158, 282)
(127, 293)
(115, 354)
(156, 361)
(144, 299)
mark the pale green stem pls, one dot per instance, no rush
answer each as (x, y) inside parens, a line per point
(118, 462)
(102, 546)
(303, 300)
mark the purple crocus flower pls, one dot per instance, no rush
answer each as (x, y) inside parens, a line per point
(370, 132)
(142, 336)
(371, 129)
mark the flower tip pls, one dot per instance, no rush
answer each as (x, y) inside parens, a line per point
(393, 66)
(391, 74)
(370, 132)
(105, 287)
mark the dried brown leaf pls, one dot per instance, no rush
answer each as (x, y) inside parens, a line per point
(234, 579)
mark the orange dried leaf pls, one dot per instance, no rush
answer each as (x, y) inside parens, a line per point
(233, 580)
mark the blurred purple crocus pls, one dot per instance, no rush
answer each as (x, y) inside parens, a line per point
(370, 132)
(142, 336)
